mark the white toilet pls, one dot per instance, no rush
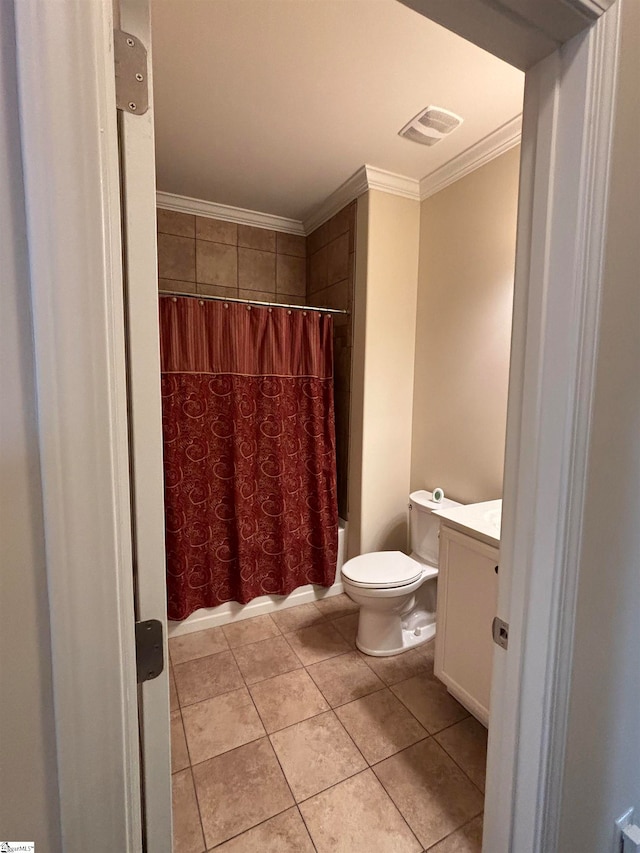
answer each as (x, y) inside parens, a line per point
(396, 593)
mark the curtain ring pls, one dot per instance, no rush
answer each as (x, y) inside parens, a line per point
(173, 299)
(248, 307)
(200, 302)
(226, 304)
(304, 313)
(288, 312)
(270, 310)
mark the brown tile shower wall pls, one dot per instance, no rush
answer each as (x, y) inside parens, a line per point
(330, 282)
(197, 254)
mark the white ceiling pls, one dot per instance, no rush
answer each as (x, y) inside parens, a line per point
(271, 104)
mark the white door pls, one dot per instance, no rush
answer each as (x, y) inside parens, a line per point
(138, 182)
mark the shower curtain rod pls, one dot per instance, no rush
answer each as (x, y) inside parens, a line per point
(252, 302)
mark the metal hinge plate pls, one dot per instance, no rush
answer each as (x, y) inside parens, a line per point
(500, 633)
(132, 91)
(149, 650)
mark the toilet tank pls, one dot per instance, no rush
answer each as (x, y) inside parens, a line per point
(424, 525)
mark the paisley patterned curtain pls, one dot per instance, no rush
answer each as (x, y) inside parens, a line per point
(249, 451)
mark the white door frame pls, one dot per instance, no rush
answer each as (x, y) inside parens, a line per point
(72, 192)
(138, 168)
(566, 144)
(69, 146)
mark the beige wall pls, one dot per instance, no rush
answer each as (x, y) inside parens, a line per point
(29, 807)
(387, 236)
(463, 331)
(602, 770)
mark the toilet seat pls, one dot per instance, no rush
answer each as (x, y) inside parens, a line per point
(382, 570)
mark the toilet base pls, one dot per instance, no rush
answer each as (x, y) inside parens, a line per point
(409, 641)
(394, 620)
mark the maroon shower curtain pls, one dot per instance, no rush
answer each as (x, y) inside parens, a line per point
(249, 451)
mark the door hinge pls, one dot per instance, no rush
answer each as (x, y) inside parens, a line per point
(132, 90)
(500, 633)
(149, 650)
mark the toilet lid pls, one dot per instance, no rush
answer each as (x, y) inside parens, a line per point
(382, 569)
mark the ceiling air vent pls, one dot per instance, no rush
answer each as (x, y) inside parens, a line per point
(430, 125)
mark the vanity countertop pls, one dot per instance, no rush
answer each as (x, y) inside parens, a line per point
(482, 521)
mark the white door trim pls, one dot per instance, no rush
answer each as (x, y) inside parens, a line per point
(70, 158)
(138, 167)
(71, 186)
(568, 117)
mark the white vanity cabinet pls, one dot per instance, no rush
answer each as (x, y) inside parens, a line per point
(467, 598)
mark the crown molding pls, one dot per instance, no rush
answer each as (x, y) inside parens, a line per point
(184, 204)
(389, 182)
(353, 187)
(492, 146)
(591, 9)
(366, 178)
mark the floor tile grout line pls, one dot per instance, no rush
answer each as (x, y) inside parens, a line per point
(433, 738)
(195, 792)
(248, 684)
(267, 735)
(246, 621)
(373, 764)
(460, 767)
(249, 828)
(313, 843)
(350, 738)
(186, 742)
(388, 793)
(400, 751)
(398, 807)
(209, 698)
(422, 726)
(333, 785)
(368, 769)
(348, 702)
(284, 775)
(332, 709)
(278, 675)
(431, 734)
(453, 831)
(284, 637)
(227, 751)
(293, 804)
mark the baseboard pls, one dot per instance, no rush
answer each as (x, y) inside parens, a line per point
(233, 612)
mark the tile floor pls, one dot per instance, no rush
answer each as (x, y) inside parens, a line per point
(286, 739)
